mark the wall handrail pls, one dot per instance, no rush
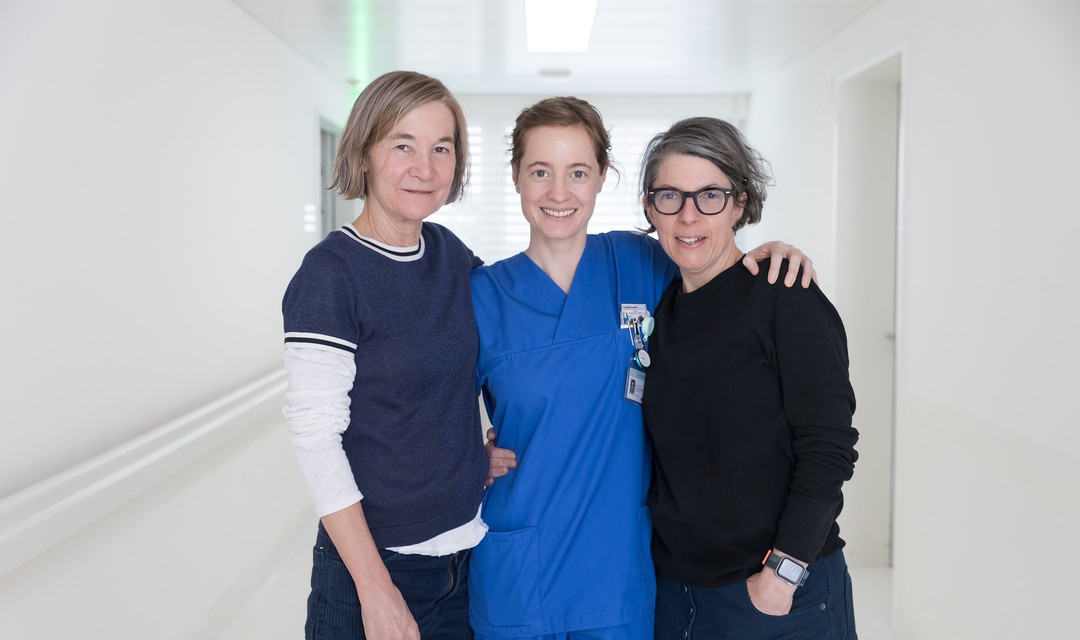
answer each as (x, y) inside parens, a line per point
(44, 514)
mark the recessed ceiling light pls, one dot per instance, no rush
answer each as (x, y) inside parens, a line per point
(559, 25)
(554, 73)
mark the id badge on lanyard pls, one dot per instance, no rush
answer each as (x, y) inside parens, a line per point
(639, 322)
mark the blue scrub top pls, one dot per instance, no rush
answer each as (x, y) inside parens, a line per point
(568, 545)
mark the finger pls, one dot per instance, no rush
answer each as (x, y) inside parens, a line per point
(499, 452)
(775, 260)
(495, 472)
(799, 261)
(491, 435)
(505, 458)
(750, 264)
(808, 273)
(792, 270)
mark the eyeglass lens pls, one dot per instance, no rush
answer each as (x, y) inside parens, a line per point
(708, 201)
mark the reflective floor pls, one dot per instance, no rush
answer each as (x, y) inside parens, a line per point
(872, 592)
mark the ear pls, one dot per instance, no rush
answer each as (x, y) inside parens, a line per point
(738, 210)
(514, 177)
(603, 178)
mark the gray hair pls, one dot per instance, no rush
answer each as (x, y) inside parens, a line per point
(722, 144)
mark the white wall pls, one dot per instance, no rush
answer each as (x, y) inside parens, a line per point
(987, 446)
(156, 159)
(155, 163)
(217, 549)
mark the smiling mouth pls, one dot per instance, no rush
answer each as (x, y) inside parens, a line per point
(555, 213)
(689, 241)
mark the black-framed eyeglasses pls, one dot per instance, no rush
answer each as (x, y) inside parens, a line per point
(709, 202)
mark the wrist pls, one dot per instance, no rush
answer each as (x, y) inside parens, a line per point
(373, 586)
(785, 568)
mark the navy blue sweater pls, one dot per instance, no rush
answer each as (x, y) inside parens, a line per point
(413, 441)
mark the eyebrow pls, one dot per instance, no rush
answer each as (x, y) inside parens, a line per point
(674, 188)
(408, 136)
(543, 163)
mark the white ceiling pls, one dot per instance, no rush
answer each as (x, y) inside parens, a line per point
(637, 46)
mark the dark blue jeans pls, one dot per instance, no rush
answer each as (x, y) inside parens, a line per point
(822, 609)
(435, 588)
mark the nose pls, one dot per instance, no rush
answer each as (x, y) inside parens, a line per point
(423, 167)
(558, 191)
(688, 213)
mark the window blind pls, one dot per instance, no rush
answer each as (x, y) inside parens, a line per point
(489, 219)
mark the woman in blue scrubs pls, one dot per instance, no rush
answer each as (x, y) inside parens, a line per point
(563, 336)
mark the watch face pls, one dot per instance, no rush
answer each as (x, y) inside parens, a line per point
(790, 570)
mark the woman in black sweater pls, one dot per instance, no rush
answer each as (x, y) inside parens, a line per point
(749, 409)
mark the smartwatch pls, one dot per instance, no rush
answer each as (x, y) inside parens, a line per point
(789, 571)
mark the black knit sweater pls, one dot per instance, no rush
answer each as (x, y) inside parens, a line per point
(749, 408)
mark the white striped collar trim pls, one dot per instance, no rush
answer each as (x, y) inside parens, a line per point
(401, 254)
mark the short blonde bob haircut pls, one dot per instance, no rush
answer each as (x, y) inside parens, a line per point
(378, 108)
